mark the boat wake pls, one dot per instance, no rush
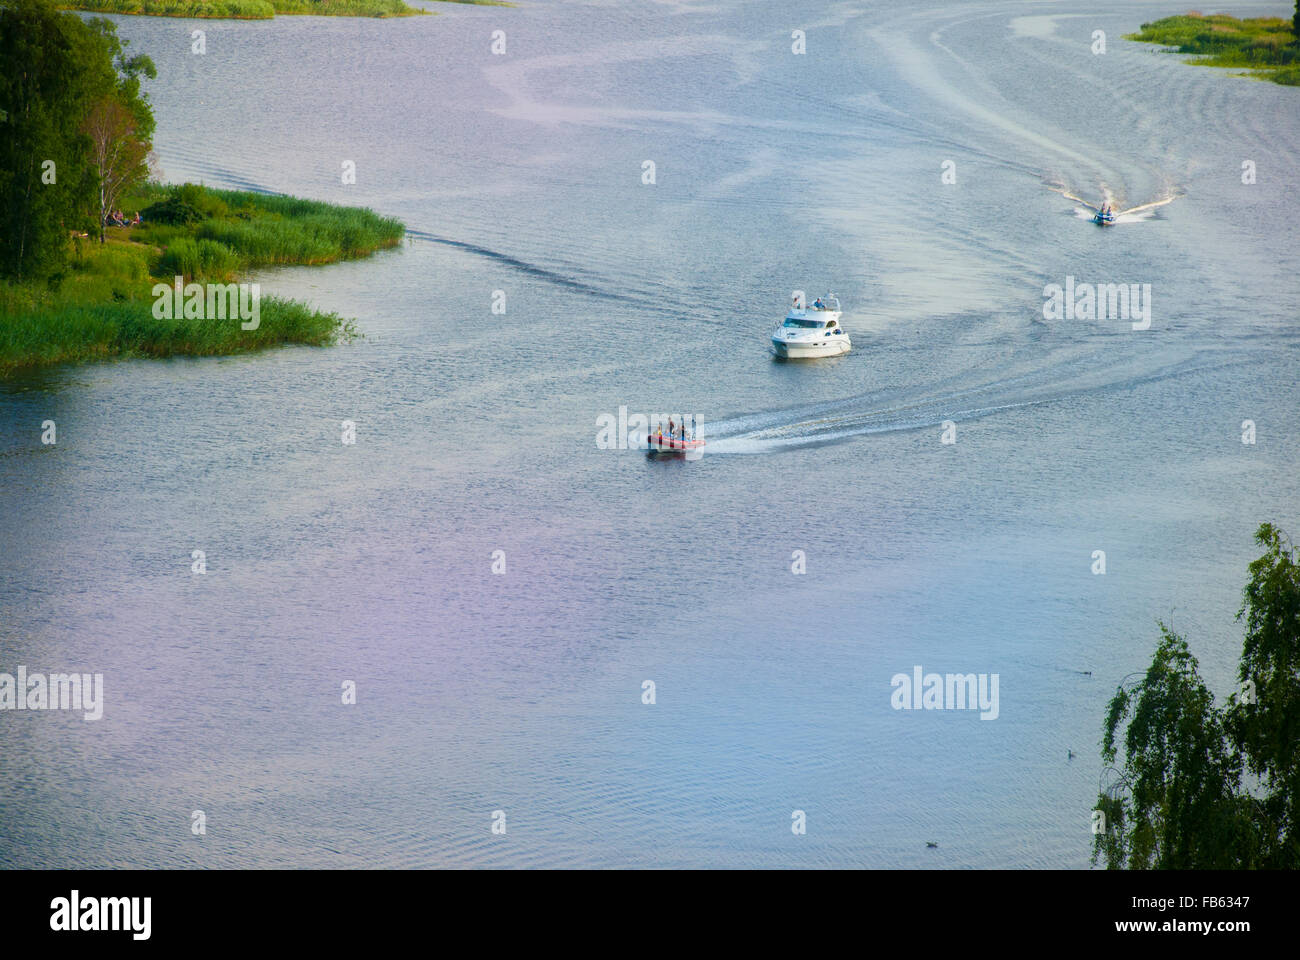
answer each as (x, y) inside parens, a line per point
(836, 421)
(225, 177)
(1135, 214)
(522, 266)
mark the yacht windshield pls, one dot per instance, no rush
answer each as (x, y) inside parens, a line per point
(800, 322)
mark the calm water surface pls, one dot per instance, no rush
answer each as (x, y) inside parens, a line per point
(476, 433)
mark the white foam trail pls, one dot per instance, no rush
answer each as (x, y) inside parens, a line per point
(1125, 217)
(759, 435)
(1129, 215)
(1152, 205)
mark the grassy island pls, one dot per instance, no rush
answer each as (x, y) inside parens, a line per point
(101, 304)
(1265, 46)
(98, 260)
(259, 9)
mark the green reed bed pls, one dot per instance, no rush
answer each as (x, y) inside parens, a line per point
(101, 304)
(198, 9)
(1263, 45)
(347, 8)
(261, 9)
(308, 239)
(216, 233)
(82, 333)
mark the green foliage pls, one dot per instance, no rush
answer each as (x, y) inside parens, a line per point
(250, 9)
(75, 132)
(53, 66)
(94, 309)
(1178, 801)
(129, 329)
(183, 204)
(1288, 76)
(103, 308)
(200, 259)
(347, 8)
(1182, 809)
(114, 272)
(61, 77)
(263, 9)
(130, 70)
(1263, 44)
(265, 229)
(224, 9)
(317, 238)
(172, 210)
(1265, 718)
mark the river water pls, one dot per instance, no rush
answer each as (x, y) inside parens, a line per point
(522, 692)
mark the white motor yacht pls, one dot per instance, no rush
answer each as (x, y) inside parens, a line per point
(811, 331)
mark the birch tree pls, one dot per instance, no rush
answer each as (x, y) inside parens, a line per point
(118, 156)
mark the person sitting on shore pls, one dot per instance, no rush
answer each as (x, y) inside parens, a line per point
(137, 221)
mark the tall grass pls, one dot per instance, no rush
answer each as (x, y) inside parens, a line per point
(348, 8)
(114, 273)
(254, 9)
(79, 333)
(199, 259)
(317, 237)
(223, 9)
(101, 305)
(262, 9)
(1265, 45)
(263, 230)
(1288, 76)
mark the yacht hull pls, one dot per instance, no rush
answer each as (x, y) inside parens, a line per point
(810, 349)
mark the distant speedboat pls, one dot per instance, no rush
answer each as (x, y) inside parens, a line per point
(680, 442)
(669, 447)
(811, 331)
(1102, 219)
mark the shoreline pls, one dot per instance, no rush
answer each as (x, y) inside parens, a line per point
(263, 9)
(1264, 47)
(104, 305)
